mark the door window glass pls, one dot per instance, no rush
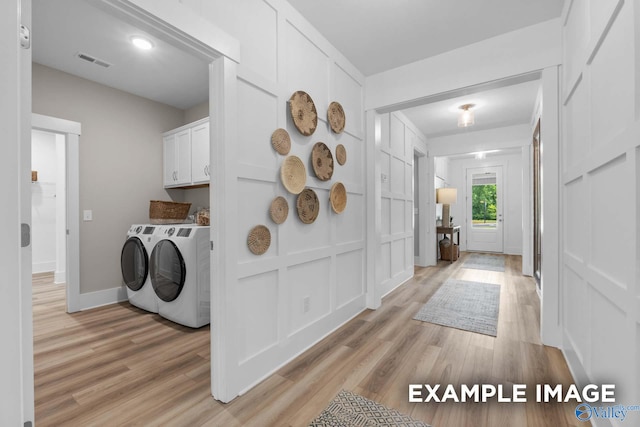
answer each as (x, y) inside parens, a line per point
(484, 207)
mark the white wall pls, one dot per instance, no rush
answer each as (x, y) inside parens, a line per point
(399, 139)
(600, 191)
(512, 197)
(266, 323)
(120, 163)
(43, 202)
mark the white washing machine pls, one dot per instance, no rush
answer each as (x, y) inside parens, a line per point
(179, 271)
(134, 263)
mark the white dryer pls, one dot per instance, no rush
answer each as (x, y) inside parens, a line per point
(134, 263)
(179, 271)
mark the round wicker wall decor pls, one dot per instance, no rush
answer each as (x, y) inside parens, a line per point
(293, 174)
(336, 117)
(259, 239)
(341, 154)
(281, 141)
(322, 161)
(279, 210)
(303, 112)
(338, 197)
(308, 206)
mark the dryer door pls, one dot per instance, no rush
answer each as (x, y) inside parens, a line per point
(168, 270)
(134, 263)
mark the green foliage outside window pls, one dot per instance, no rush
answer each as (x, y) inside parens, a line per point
(484, 207)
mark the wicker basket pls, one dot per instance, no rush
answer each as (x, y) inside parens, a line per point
(162, 212)
(449, 251)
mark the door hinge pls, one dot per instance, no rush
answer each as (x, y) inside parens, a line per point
(25, 37)
(25, 235)
(211, 242)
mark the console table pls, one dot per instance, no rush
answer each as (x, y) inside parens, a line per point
(450, 231)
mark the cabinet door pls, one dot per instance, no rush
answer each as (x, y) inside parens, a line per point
(183, 157)
(200, 154)
(169, 160)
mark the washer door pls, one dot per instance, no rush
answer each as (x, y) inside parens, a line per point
(134, 263)
(168, 270)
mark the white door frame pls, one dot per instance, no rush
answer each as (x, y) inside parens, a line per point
(425, 239)
(498, 246)
(71, 131)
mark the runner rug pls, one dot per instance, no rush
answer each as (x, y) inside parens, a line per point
(484, 262)
(352, 410)
(471, 306)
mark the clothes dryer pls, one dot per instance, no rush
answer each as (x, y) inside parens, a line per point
(179, 271)
(134, 263)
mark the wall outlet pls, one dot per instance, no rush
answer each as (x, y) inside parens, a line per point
(87, 215)
(306, 304)
(384, 177)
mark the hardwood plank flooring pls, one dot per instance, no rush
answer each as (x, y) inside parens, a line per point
(118, 365)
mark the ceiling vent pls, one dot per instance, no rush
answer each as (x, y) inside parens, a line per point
(93, 60)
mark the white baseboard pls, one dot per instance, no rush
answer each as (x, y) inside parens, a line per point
(43, 267)
(60, 277)
(105, 297)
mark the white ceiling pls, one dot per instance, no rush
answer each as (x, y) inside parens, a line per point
(378, 35)
(62, 28)
(375, 35)
(503, 106)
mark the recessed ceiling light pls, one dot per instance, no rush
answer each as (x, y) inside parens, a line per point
(141, 43)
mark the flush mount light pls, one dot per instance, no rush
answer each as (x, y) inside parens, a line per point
(141, 43)
(466, 116)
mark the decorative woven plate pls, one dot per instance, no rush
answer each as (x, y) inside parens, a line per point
(303, 112)
(322, 161)
(335, 115)
(308, 206)
(279, 210)
(293, 174)
(338, 197)
(281, 141)
(341, 154)
(259, 239)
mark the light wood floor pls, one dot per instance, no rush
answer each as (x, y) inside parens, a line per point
(117, 365)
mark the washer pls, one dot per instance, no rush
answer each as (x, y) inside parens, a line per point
(134, 263)
(179, 271)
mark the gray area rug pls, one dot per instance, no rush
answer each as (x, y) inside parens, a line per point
(484, 262)
(471, 306)
(352, 410)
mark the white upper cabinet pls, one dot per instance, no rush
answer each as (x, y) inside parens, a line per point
(200, 153)
(186, 155)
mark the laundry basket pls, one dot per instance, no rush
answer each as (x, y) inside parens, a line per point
(164, 212)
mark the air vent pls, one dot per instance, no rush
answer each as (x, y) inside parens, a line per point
(93, 60)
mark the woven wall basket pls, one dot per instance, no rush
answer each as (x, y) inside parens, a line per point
(336, 117)
(279, 210)
(293, 174)
(303, 112)
(338, 197)
(308, 206)
(322, 161)
(281, 141)
(259, 239)
(341, 154)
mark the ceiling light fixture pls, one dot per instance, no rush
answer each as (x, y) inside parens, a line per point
(141, 43)
(466, 117)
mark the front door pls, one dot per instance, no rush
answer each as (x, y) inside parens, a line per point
(484, 209)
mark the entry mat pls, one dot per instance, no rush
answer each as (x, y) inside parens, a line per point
(470, 306)
(352, 410)
(484, 262)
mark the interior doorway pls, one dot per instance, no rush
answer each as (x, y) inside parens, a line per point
(484, 209)
(48, 205)
(66, 136)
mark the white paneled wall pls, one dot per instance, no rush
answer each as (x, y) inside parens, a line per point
(398, 140)
(312, 278)
(601, 193)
